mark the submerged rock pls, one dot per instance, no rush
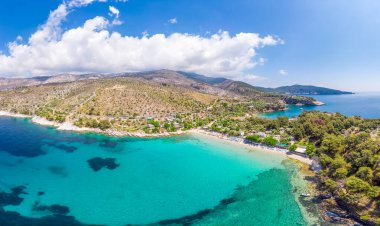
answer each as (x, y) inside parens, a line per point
(66, 148)
(98, 163)
(55, 208)
(108, 144)
(58, 170)
(12, 218)
(12, 198)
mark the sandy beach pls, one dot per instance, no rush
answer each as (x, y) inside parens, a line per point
(240, 141)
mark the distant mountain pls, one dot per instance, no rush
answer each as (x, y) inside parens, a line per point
(202, 78)
(303, 90)
(187, 82)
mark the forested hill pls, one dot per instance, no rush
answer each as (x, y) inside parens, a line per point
(304, 90)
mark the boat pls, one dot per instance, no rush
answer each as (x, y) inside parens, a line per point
(305, 195)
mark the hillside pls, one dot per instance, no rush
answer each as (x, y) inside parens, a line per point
(126, 101)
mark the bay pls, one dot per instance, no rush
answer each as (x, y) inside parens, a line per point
(188, 179)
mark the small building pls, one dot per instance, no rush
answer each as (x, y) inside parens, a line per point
(277, 137)
(301, 150)
(150, 126)
(262, 134)
(315, 166)
(169, 118)
(177, 125)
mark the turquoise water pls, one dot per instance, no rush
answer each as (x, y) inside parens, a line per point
(185, 180)
(366, 105)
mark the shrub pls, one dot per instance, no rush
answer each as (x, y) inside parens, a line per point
(357, 185)
(104, 124)
(365, 173)
(254, 138)
(270, 141)
(340, 173)
(311, 150)
(293, 147)
(366, 217)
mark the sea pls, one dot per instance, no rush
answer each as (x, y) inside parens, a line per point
(366, 105)
(51, 177)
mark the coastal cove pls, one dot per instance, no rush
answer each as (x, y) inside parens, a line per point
(366, 105)
(153, 180)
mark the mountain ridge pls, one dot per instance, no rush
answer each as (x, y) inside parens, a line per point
(175, 77)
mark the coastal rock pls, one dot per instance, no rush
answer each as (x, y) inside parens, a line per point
(98, 163)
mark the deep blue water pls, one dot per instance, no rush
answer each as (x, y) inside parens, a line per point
(47, 179)
(366, 105)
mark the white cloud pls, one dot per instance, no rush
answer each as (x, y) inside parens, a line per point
(145, 33)
(283, 72)
(116, 13)
(173, 21)
(93, 48)
(251, 78)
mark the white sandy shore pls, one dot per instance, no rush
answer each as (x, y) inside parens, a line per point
(319, 103)
(9, 114)
(68, 126)
(240, 141)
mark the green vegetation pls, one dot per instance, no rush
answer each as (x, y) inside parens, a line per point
(51, 114)
(348, 149)
(293, 147)
(93, 123)
(269, 140)
(254, 138)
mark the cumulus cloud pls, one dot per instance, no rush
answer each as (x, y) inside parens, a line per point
(283, 72)
(173, 21)
(93, 48)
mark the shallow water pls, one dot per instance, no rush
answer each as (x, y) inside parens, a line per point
(166, 181)
(366, 105)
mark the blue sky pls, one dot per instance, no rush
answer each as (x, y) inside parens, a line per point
(329, 43)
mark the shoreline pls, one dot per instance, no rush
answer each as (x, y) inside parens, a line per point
(68, 126)
(240, 141)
